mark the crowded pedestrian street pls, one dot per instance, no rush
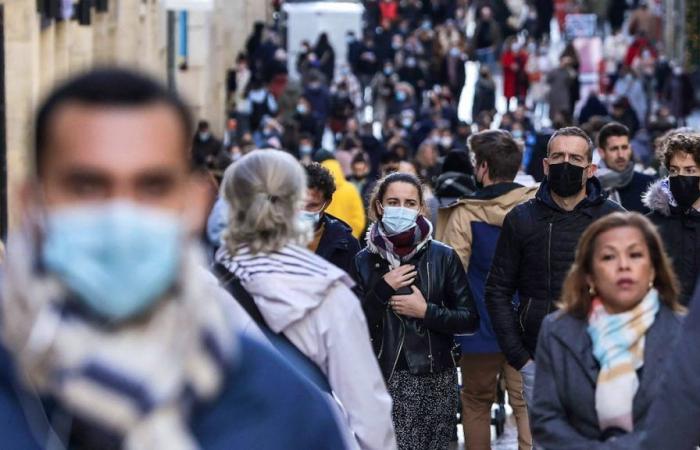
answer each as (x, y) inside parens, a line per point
(349, 224)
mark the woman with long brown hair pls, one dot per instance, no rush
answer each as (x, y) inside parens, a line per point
(416, 297)
(599, 358)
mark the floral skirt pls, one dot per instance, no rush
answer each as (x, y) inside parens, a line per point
(425, 408)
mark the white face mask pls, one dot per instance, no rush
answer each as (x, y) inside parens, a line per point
(397, 219)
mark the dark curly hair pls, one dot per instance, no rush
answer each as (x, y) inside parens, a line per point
(681, 140)
(318, 177)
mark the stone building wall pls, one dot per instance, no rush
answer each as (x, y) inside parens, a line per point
(132, 33)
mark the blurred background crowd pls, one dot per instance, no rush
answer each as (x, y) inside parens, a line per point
(425, 74)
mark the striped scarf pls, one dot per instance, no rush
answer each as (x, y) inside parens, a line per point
(399, 248)
(618, 346)
(136, 380)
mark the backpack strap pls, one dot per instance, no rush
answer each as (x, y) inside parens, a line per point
(300, 361)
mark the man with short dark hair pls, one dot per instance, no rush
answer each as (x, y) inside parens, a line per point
(471, 226)
(616, 173)
(113, 333)
(675, 205)
(536, 247)
(333, 239)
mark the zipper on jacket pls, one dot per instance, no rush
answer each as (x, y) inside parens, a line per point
(398, 354)
(549, 265)
(427, 299)
(430, 350)
(381, 345)
(428, 273)
(523, 315)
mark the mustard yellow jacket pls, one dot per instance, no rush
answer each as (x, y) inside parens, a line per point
(346, 204)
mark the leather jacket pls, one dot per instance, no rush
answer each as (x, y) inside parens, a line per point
(427, 344)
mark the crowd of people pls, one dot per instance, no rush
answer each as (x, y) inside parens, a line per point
(330, 289)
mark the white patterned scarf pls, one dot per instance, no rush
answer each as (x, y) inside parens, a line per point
(136, 380)
(618, 346)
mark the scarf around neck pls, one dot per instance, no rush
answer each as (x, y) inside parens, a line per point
(618, 346)
(401, 247)
(136, 380)
(612, 180)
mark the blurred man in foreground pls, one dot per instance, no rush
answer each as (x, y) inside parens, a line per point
(112, 334)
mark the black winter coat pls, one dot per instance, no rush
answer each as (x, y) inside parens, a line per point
(337, 245)
(534, 253)
(631, 195)
(428, 344)
(681, 236)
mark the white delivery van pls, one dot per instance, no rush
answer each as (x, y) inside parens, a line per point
(307, 20)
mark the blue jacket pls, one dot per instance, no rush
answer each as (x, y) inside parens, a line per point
(264, 405)
(472, 226)
(673, 418)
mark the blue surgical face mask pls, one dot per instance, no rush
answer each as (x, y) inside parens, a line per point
(311, 218)
(397, 219)
(118, 258)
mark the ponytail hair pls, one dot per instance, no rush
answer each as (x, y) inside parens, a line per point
(264, 190)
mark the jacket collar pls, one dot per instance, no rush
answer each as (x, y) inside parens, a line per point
(658, 340)
(658, 198)
(336, 234)
(495, 190)
(573, 334)
(595, 195)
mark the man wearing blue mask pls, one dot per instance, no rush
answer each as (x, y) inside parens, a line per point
(536, 247)
(333, 239)
(111, 334)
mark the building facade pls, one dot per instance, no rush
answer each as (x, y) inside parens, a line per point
(45, 41)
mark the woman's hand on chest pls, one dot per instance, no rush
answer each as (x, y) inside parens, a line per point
(401, 276)
(411, 305)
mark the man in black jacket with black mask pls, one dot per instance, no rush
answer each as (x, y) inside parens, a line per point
(536, 247)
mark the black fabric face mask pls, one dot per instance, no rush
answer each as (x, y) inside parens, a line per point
(685, 190)
(565, 179)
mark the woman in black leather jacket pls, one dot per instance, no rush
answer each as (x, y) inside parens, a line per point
(416, 298)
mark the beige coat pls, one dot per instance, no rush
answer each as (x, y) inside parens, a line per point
(454, 221)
